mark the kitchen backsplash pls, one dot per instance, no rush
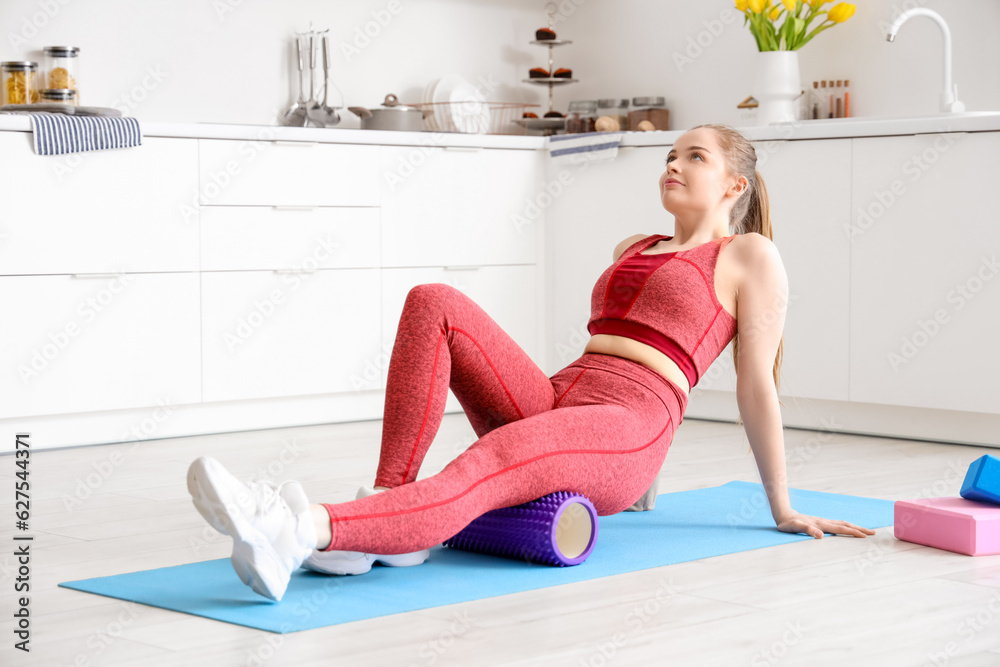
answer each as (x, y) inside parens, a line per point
(232, 61)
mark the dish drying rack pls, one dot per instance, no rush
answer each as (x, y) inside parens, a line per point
(492, 117)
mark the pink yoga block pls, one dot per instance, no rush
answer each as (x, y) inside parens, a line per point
(956, 524)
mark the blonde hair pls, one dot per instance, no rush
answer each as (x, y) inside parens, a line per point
(752, 211)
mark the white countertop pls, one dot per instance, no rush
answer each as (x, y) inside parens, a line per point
(865, 126)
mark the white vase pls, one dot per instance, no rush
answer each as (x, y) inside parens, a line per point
(776, 85)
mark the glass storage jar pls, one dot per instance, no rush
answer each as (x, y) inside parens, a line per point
(615, 108)
(62, 67)
(58, 96)
(581, 116)
(651, 109)
(19, 83)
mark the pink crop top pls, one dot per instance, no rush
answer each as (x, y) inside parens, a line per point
(666, 300)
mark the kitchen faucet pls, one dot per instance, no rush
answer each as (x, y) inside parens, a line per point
(949, 98)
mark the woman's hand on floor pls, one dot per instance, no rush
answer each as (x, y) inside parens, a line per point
(815, 526)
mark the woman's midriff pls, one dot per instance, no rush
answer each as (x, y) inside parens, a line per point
(646, 355)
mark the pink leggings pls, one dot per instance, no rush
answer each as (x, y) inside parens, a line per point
(601, 427)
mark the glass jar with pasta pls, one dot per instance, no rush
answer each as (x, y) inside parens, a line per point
(57, 96)
(18, 82)
(62, 67)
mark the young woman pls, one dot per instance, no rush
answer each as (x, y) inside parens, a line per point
(661, 314)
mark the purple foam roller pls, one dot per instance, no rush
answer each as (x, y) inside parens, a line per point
(557, 529)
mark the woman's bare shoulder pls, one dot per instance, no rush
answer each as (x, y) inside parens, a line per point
(746, 256)
(752, 248)
(621, 247)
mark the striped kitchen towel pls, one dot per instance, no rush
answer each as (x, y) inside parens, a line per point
(57, 133)
(586, 146)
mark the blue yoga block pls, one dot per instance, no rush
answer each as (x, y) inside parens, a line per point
(982, 482)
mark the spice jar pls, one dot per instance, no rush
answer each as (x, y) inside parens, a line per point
(58, 96)
(581, 116)
(616, 108)
(18, 82)
(62, 67)
(651, 109)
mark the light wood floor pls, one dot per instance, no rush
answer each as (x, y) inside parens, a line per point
(834, 601)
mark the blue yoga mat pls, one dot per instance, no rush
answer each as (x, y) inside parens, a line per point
(685, 526)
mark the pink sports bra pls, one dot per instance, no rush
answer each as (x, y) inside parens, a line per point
(666, 300)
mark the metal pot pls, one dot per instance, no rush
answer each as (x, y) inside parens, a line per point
(390, 116)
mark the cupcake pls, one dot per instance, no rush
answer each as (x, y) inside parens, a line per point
(563, 73)
(545, 33)
(538, 73)
(529, 114)
(553, 114)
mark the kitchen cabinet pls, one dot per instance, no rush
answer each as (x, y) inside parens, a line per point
(121, 210)
(508, 294)
(925, 294)
(258, 237)
(445, 206)
(97, 342)
(288, 332)
(268, 173)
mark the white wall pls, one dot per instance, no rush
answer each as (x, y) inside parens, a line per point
(231, 60)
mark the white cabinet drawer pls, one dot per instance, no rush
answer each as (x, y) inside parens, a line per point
(265, 173)
(254, 237)
(98, 342)
(463, 208)
(506, 293)
(131, 209)
(269, 334)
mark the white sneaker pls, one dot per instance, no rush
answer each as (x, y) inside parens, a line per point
(357, 562)
(271, 526)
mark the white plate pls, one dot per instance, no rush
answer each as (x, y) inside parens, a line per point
(468, 109)
(430, 121)
(442, 93)
(429, 90)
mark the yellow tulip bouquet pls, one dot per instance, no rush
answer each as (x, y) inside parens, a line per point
(793, 33)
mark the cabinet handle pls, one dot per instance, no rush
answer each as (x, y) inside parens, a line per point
(295, 208)
(96, 275)
(279, 142)
(295, 270)
(467, 149)
(462, 268)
